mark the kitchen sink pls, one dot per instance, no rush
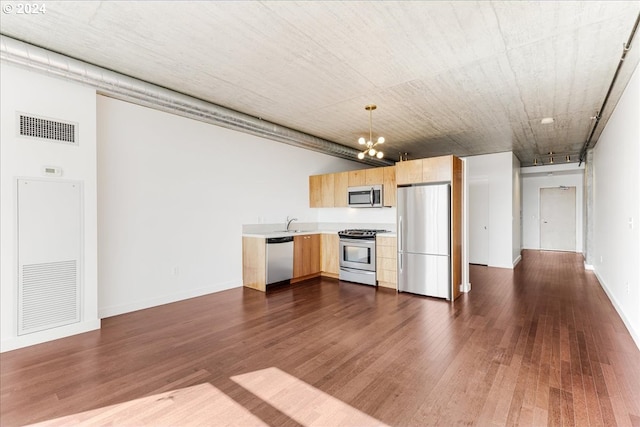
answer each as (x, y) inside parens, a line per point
(289, 231)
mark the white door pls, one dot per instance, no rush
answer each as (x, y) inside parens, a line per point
(558, 219)
(479, 221)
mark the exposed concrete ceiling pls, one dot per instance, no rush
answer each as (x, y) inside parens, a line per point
(461, 78)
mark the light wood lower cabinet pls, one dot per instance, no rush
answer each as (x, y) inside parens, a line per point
(330, 255)
(254, 274)
(306, 257)
(386, 264)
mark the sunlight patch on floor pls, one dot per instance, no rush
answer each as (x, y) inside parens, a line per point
(202, 404)
(301, 401)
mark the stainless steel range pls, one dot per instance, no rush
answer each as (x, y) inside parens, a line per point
(358, 255)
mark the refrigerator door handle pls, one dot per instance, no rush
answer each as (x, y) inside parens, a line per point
(400, 248)
(400, 266)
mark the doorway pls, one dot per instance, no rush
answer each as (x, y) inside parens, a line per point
(479, 221)
(558, 219)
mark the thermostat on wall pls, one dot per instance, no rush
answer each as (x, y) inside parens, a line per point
(52, 170)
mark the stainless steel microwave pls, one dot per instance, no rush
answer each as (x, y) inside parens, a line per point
(368, 196)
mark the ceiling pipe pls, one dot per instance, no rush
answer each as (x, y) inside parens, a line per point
(598, 116)
(123, 87)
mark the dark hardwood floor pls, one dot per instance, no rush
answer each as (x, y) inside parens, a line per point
(539, 345)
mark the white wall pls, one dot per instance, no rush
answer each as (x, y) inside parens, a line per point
(537, 177)
(173, 194)
(28, 92)
(616, 160)
(498, 169)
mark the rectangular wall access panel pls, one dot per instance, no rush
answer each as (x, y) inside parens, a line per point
(49, 253)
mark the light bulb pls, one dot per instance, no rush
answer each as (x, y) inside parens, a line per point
(372, 152)
(380, 140)
(361, 156)
(380, 154)
(361, 141)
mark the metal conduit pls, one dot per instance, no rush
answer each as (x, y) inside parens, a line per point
(129, 89)
(625, 50)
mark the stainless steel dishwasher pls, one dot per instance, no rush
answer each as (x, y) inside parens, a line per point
(279, 259)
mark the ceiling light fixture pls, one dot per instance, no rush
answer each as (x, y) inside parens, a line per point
(370, 150)
(546, 121)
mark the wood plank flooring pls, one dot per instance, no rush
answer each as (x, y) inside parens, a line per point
(539, 345)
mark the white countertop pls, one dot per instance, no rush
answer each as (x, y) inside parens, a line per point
(305, 228)
(271, 234)
(283, 233)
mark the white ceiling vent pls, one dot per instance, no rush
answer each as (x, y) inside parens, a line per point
(50, 130)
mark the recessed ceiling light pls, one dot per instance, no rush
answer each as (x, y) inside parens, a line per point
(546, 121)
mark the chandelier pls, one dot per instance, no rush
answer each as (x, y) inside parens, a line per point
(370, 150)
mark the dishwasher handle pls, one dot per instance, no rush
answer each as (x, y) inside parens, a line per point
(286, 239)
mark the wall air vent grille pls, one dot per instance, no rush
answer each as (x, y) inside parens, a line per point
(50, 130)
(49, 296)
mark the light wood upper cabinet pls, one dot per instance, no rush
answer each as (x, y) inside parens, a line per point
(330, 190)
(409, 172)
(306, 255)
(437, 169)
(315, 191)
(432, 169)
(357, 178)
(373, 176)
(389, 182)
(321, 188)
(340, 185)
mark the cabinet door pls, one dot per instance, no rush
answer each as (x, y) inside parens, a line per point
(357, 178)
(327, 191)
(321, 191)
(315, 191)
(386, 261)
(254, 273)
(437, 169)
(330, 254)
(389, 182)
(374, 176)
(409, 172)
(340, 185)
(306, 255)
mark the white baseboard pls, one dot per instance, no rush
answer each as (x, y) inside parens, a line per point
(517, 261)
(34, 338)
(115, 310)
(635, 335)
(588, 267)
(465, 287)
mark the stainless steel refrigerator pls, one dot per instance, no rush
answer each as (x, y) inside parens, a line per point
(424, 240)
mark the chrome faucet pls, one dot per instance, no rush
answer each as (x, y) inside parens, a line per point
(289, 221)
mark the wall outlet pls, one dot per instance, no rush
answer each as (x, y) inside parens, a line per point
(601, 259)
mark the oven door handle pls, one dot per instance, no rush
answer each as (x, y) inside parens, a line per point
(360, 242)
(357, 270)
(371, 196)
